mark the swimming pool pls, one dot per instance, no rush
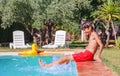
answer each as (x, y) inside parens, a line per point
(29, 66)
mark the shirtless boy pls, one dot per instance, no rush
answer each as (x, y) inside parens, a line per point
(87, 54)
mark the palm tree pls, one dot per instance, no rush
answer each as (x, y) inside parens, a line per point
(107, 13)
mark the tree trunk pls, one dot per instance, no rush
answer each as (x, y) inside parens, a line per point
(83, 36)
(108, 34)
(49, 33)
(26, 27)
(108, 38)
(114, 32)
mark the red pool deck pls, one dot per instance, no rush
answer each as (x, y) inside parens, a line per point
(93, 68)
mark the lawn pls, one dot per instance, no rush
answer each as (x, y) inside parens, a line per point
(111, 58)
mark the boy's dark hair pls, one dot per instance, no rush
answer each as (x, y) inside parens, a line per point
(87, 24)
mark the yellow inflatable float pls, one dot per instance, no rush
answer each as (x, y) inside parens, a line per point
(33, 51)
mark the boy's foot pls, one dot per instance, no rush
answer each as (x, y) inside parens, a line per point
(41, 63)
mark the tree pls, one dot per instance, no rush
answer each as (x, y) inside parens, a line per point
(33, 13)
(6, 13)
(107, 13)
(16, 11)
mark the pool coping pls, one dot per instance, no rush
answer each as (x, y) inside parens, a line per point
(43, 51)
(8, 53)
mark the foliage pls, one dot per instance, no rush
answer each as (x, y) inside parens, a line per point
(78, 44)
(118, 44)
(32, 13)
(107, 13)
(107, 10)
(82, 9)
(26, 10)
(6, 12)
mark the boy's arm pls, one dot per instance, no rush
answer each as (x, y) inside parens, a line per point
(101, 47)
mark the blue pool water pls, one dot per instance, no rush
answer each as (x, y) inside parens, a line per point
(29, 66)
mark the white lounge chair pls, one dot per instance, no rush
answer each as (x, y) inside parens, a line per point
(18, 40)
(60, 37)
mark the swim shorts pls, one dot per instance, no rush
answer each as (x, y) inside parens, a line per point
(83, 56)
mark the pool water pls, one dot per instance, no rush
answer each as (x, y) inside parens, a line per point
(29, 66)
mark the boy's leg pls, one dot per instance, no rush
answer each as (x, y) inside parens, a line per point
(64, 59)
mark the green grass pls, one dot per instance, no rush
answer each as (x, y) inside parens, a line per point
(111, 58)
(7, 49)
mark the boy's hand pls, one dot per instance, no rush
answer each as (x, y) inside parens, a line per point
(98, 59)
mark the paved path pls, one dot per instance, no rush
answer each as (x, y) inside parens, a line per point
(93, 68)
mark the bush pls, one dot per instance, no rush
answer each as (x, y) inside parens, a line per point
(75, 44)
(118, 44)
